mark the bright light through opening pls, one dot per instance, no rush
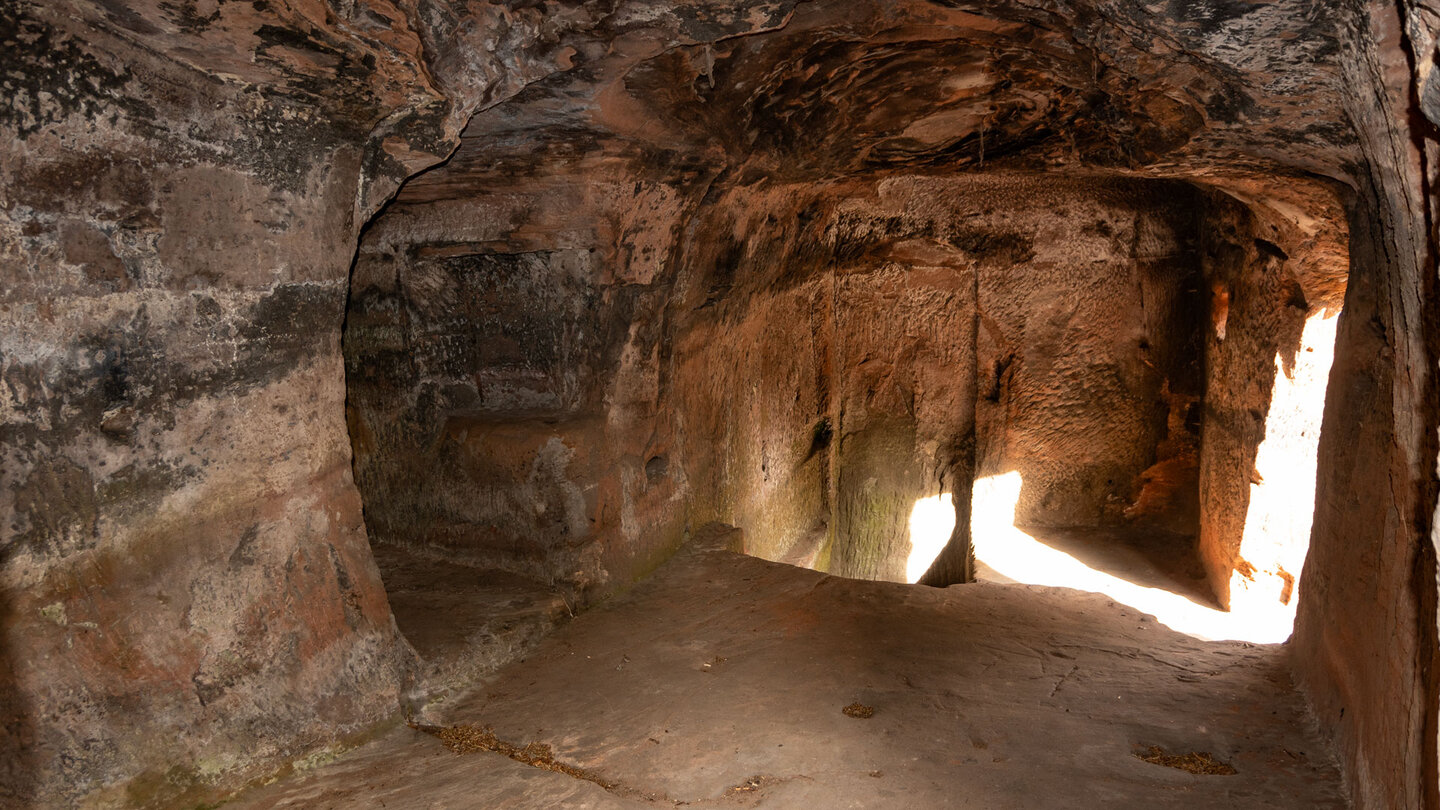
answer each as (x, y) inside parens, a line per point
(1264, 589)
(1282, 499)
(932, 521)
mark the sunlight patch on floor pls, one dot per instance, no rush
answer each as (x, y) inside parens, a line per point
(1020, 557)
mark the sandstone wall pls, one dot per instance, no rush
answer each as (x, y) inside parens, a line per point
(187, 591)
(1086, 341)
(503, 369)
(842, 350)
(187, 596)
(806, 362)
(187, 599)
(1365, 638)
(1260, 299)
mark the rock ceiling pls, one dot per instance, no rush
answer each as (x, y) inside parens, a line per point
(827, 89)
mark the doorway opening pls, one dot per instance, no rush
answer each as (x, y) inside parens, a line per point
(1200, 511)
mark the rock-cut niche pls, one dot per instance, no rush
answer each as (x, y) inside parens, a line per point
(575, 343)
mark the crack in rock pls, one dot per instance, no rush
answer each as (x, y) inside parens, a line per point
(470, 739)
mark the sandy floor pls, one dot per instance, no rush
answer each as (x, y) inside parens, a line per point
(721, 682)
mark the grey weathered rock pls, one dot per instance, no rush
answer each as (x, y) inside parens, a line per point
(189, 598)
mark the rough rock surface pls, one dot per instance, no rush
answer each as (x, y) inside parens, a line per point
(187, 595)
(590, 313)
(188, 598)
(982, 696)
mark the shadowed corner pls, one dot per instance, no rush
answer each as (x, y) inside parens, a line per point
(17, 732)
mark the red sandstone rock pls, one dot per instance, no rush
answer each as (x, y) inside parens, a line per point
(782, 264)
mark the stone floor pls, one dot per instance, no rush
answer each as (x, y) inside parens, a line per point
(1148, 558)
(721, 682)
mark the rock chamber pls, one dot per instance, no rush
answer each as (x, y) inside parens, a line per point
(349, 346)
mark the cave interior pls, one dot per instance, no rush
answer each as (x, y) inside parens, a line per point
(772, 403)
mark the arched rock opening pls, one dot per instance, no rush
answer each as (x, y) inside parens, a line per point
(800, 280)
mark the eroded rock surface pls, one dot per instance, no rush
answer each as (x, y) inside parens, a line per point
(806, 277)
(770, 262)
(189, 599)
